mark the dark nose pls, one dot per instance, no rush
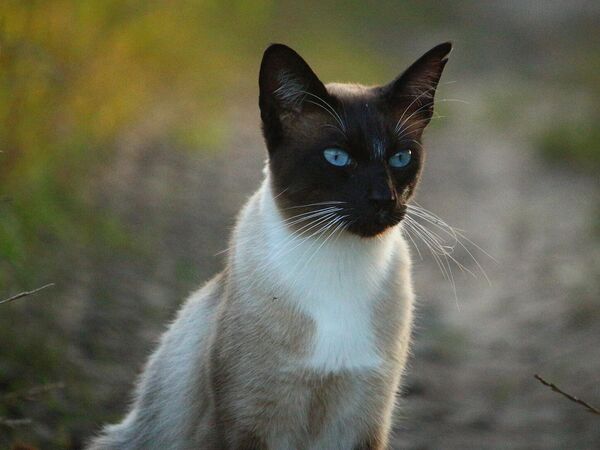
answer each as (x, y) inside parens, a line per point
(382, 197)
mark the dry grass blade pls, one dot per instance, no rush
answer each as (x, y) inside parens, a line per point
(32, 393)
(26, 294)
(574, 399)
(14, 423)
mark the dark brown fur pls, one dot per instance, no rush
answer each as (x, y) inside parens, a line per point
(298, 126)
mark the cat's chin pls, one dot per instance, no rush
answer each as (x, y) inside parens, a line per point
(371, 229)
(374, 225)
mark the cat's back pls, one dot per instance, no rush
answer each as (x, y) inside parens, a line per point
(172, 400)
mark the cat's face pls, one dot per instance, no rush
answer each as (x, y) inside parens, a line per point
(345, 152)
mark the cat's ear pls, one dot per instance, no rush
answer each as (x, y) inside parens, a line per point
(285, 82)
(412, 93)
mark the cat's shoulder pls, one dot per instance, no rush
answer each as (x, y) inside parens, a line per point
(201, 306)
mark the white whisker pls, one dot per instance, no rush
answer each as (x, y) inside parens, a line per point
(409, 235)
(437, 253)
(327, 107)
(455, 235)
(298, 218)
(315, 204)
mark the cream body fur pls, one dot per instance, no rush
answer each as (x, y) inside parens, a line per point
(295, 345)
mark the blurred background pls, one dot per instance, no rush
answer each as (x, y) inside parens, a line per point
(129, 139)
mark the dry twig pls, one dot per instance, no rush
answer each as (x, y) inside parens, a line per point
(555, 388)
(25, 294)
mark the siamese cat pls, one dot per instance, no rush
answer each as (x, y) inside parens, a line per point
(301, 341)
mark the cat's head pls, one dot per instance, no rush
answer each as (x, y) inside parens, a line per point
(345, 151)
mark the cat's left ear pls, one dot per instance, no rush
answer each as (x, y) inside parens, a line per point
(288, 86)
(412, 93)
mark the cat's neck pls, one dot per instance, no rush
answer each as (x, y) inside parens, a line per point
(306, 257)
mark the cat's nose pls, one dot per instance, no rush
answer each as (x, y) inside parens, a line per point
(382, 198)
(383, 204)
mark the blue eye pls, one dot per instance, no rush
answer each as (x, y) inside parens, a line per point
(337, 157)
(400, 159)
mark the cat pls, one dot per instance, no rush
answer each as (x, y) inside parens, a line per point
(301, 341)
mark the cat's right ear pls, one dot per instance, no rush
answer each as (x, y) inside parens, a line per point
(287, 85)
(412, 93)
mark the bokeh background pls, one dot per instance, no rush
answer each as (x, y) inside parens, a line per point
(129, 139)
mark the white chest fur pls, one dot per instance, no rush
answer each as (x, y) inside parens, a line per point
(335, 282)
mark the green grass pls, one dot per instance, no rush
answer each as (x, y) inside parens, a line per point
(576, 144)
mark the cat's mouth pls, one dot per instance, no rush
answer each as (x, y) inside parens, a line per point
(374, 224)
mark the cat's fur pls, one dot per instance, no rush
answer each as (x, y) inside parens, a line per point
(301, 341)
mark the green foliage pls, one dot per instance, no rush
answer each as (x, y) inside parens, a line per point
(577, 144)
(73, 77)
(76, 76)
